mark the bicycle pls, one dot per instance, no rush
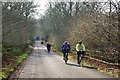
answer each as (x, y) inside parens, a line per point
(81, 59)
(81, 56)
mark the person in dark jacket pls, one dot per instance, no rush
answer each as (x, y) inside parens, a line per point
(37, 38)
(65, 49)
(48, 45)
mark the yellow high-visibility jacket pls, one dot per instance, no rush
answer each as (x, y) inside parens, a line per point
(80, 47)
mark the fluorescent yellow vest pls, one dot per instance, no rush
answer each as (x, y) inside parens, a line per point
(80, 47)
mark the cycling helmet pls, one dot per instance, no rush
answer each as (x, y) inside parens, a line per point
(79, 41)
(65, 42)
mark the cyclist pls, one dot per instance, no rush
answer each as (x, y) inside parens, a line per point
(48, 45)
(65, 49)
(80, 51)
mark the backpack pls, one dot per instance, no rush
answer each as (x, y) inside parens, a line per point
(66, 46)
(48, 45)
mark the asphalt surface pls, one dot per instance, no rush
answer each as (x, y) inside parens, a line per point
(41, 64)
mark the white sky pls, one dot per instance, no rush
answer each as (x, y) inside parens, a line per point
(42, 7)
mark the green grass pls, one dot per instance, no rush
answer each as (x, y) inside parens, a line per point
(70, 57)
(13, 51)
(11, 68)
(23, 56)
(2, 75)
(16, 51)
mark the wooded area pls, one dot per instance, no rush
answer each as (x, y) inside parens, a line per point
(18, 24)
(95, 23)
(18, 30)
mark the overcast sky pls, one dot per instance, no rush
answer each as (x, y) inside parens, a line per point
(42, 7)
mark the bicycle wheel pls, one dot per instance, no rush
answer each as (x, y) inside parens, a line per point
(81, 60)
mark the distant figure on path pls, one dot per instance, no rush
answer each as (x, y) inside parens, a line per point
(48, 45)
(37, 38)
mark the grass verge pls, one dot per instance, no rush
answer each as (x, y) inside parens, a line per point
(8, 70)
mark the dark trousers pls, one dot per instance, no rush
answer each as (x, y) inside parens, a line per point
(48, 49)
(65, 53)
(79, 53)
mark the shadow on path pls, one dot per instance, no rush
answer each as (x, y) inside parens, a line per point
(72, 64)
(90, 67)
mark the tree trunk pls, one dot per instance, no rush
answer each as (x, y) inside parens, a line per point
(119, 32)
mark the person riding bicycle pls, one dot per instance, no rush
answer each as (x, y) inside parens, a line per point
(80, 48)
(65, 49)
(48, 45)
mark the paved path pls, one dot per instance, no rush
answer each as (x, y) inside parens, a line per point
(41, 64)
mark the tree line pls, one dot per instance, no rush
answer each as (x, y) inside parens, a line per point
(17, 23)
(18, 29)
